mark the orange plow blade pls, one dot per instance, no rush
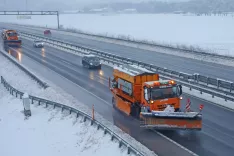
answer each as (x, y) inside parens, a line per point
(13, 42)
(171, 120)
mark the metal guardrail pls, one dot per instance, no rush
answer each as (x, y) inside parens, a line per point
(33, 76)
(142, 42)
(188, 80)
(13, 91)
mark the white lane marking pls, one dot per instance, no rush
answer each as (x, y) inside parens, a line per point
(219, 131)
(66, 62)
(73, 83)
(179, 145)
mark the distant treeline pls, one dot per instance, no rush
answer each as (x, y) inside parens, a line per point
(193, 6)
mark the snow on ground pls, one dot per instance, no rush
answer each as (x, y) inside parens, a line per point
(19, 80)
(213, 32)
(49, 132)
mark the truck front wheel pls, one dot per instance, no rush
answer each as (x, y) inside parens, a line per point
(113, 102)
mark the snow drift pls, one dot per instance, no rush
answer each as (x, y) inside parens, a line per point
(49, 132)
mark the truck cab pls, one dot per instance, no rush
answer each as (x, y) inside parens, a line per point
(140, 93)
(11, 38)
(157, 95)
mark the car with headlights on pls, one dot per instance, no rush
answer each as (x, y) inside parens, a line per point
(91, 61)
(38, 44)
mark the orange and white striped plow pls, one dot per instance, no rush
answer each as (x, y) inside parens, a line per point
(161, 120)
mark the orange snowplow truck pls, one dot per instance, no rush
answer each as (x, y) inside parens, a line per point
(11, 38)
(156, 103)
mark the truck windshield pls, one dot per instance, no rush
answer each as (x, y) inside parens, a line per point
(94, 59)
(161, 93)
(11, 34)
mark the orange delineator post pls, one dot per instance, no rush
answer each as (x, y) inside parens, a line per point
(188, 105)
(93, 112)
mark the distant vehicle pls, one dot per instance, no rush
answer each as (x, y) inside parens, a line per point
(47, 33)
(11, 38)
(38, 44)
(91, 61)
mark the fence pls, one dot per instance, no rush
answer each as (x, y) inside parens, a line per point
(40, 101)
(223, 89)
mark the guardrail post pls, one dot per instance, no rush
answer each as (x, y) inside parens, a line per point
(92, 115)
(11, 91)
(207, 80)
(4, 83)
(120, 143)
(93, 112)
(21, 96)
(105, 130)
(128, 149)
(231, 85)
(8, 87)
(218, 83)
(196, 77)
(112, 137)
(84, 118)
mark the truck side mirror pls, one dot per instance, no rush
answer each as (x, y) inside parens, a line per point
(146, 94)
(180, 89)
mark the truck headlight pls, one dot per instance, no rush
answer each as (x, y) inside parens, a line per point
(91, 63)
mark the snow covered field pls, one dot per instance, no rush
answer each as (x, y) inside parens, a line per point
(19, 80)
(213, 32)
(49, 132)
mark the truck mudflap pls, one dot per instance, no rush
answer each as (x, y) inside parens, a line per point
(171, 120)
(13, 42)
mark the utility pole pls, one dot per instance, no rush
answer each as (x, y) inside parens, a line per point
(58, 19)
(26, 5)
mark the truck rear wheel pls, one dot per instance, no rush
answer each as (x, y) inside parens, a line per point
(135, 110)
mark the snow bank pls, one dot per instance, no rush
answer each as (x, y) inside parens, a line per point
(49, 132)
(19, 80)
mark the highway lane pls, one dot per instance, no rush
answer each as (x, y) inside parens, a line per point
(164, 60)
(215, 139)
(137, 133)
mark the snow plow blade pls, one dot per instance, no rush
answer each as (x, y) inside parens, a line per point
(171, 121)
(13, 43)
